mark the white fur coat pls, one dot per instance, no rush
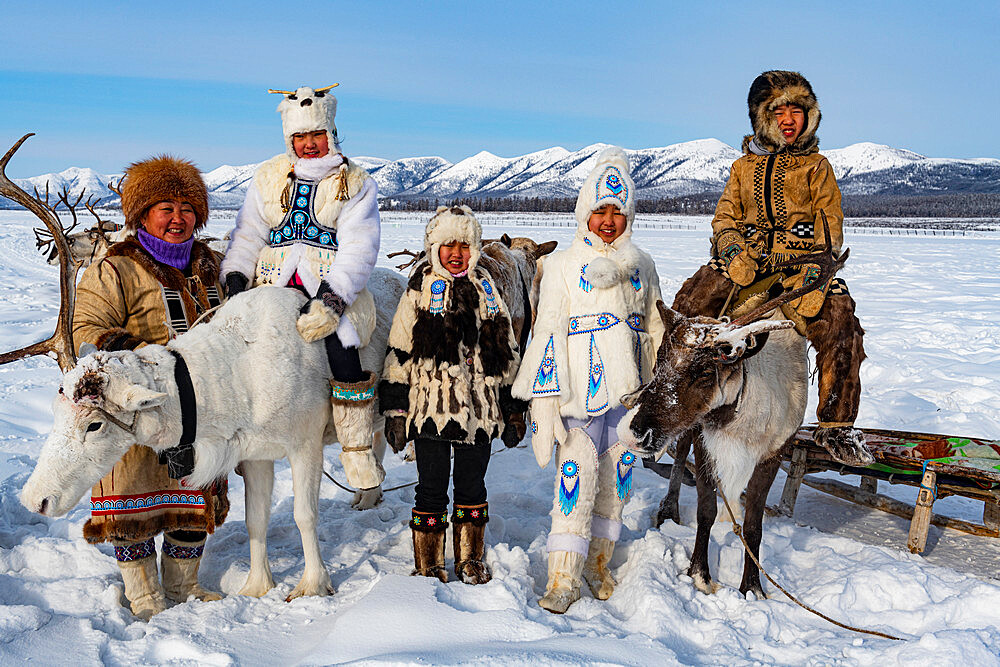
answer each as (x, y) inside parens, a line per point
(597, 327)
(358, 236)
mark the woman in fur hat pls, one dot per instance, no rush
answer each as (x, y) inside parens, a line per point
(594, 340)
(770, 211)
(152, 286)
(452, 357)
(310, 221)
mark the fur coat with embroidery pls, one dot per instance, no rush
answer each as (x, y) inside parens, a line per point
(597, 327)
(121, 305)
(452, 357)
(777, 194)
(351, 217)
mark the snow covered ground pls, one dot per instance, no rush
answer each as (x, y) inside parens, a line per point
(929, 305)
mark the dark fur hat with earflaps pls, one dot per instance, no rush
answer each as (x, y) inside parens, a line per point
(159, 178)
(769, 91)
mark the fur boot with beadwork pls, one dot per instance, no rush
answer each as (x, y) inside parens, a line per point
(595, 569)
(137, 562)
(563, 588)
(179, 563)
(429, 533)
(469, 538)
(353, 416)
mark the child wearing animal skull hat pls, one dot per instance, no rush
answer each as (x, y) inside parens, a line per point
(446, 386)
(594, 341)
(772, 210)
(310, 221)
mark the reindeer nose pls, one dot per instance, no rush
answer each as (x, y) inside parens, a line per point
(44, 506)
(306, 102)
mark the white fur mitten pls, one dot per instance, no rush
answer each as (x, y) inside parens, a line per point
(546, 428)
(317, 320)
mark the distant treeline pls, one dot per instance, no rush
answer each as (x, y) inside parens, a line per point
(973, 205)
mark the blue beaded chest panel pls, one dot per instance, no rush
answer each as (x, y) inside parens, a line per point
(299, 225)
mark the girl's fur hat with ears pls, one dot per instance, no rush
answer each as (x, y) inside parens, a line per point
(769, 91)
(609, 182)
(452, 223)
(151, 181)
(308, 110)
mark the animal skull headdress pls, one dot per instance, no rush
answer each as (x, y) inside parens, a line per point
(308, 110)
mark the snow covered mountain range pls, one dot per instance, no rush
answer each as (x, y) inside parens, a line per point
(681, 169)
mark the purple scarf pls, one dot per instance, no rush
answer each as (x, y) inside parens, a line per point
(177, 255)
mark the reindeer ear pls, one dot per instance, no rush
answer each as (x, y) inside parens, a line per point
(669, 316)
(505, 240)
(135, 397)
(546, 248)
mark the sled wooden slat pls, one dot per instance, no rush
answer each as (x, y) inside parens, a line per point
(936, 480)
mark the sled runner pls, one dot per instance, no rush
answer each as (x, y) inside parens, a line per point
(939, 465)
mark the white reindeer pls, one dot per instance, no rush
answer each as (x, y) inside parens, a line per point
(262, 393)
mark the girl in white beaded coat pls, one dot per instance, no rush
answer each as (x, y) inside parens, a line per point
(310, 221)
(594, 340)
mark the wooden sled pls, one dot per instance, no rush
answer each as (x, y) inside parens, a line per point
(938, 465)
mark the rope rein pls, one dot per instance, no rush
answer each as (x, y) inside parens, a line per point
(738, 529)
(403, 486)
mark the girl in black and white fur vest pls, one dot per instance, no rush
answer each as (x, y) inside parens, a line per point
(446, 384)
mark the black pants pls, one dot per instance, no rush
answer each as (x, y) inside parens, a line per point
(345, 362)
(434, 468)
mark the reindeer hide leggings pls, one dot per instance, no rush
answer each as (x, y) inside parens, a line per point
(593, 482)
(834, 332)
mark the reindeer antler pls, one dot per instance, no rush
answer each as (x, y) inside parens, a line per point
(828, 267)
(407, 253)
(61, 342)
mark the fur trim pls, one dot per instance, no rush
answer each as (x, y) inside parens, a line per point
(771, 90)
(455, 223)
(156, 179)
(306, 110)
(204, 266)
(316, 320)
(609, 182)
(602, 272)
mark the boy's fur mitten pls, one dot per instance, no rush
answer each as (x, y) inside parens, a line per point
(732, 250)
(320, 316)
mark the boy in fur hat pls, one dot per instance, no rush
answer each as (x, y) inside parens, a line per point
(451, 359)
(310, 221)
(771, 211)
(594, 340)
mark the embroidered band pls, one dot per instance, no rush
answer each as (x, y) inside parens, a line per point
(137, 551)
(183, 551)
(589, 323)
(430, 522)
(477, 514)
(144, 502)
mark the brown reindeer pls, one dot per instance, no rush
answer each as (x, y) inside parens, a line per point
(741, 387)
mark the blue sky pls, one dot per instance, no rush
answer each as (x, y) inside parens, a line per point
(103, 84)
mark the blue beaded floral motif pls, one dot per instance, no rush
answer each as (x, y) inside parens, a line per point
(438, 288)
(569, 486)
(579, 324)
(623, 478)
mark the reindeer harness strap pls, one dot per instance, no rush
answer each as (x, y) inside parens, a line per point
(179, 459)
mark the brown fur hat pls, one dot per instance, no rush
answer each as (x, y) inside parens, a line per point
(159, 178)
(769, 91)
